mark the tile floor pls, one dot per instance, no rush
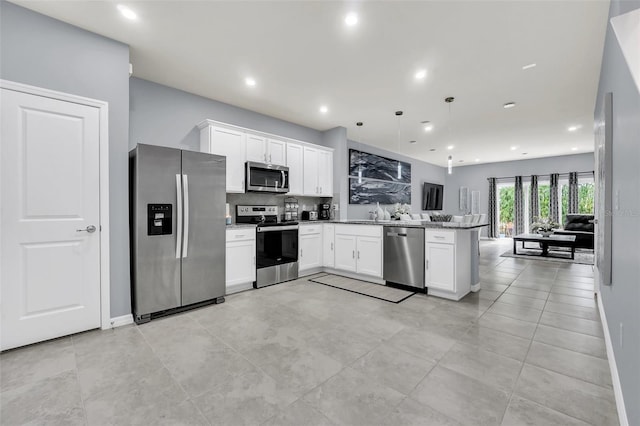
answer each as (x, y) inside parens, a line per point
(527, 349)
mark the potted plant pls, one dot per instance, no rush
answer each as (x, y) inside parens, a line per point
(543, 226)
(401, 209)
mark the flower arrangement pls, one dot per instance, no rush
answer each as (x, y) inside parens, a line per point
(543, 225)
(401, 209)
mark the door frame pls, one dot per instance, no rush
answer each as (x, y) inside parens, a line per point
(103, 110)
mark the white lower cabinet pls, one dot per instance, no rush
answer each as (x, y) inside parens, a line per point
(369, 256)
(345, 252)
(358, 248)
(240, 259)
(441, 264)
(447, 260)
(310, 247)
(328, 245)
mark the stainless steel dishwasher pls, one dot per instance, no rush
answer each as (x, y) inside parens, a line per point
(404, 256)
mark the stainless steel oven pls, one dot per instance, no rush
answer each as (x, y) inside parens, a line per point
(276, 254)
(262, 177)
(276, 244)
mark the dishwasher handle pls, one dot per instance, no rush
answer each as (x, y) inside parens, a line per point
(395, 234)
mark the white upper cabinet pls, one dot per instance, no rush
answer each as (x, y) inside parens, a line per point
(231, 144)
(310, 166)
(276, 152)
(264, 150)
(256, 148)
(296, 167)
(325, 173)
(318, 172)
(311, 171)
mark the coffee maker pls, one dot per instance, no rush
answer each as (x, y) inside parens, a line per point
(324, 211)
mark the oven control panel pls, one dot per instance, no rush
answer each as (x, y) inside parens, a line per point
(257, 210)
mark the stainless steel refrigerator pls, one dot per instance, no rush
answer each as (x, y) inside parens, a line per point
(177, 230)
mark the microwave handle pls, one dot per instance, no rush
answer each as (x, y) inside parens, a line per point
(284, 177)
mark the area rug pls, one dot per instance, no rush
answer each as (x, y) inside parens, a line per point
(376, 291)
(581, 257)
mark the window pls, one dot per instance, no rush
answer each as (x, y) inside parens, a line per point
(506, 215)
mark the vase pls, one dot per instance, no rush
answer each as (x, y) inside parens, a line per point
(545, 233)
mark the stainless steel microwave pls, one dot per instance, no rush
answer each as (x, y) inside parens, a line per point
(262, 177)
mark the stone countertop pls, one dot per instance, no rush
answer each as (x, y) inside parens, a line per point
(241, 225)
(411, 224)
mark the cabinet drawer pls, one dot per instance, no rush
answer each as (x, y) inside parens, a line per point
(448, 237)
(241, 234)
(310, 229)
(360, 230)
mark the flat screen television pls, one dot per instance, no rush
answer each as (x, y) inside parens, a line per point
(432, 195)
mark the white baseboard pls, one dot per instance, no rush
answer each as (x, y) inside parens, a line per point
(615, 378)
(237, 288)
(119, 321)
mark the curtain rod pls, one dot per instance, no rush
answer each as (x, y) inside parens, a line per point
(591, 172)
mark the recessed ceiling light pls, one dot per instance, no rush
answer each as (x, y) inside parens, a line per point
(524, 153)
(351, 19)
(450, 147)
(127, 13)
(573, 128)
(428, 127)
(432, 149)
(250, 81)
(412, 141)
(460, 161)
(513, 148)
(509, 105)
(477, 160)
(526, 67)
(324, 109)
(421, 74)
(575, 148)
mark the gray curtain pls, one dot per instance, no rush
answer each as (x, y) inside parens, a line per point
(534, 199)
(492, 232)
(518, 207)
(573, 192)
(554, 212)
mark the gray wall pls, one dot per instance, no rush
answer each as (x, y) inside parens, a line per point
(161, 115)
(420, 172)
(44, 52)
(475, 177)
(621, 301)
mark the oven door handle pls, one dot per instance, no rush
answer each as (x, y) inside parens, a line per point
(277, 228)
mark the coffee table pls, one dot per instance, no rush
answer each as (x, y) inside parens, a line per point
(545, 242)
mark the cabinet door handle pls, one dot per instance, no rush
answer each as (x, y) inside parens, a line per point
(331, 246)
(353, 254)
(270, 158)
(300, 252)
(265, 157)
(254, 261)
(358, 254)
(440, 237)
(240, 236)
(427, 263)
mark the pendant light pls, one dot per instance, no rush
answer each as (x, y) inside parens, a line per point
(449, 100)
(399, 114)
(359, 125)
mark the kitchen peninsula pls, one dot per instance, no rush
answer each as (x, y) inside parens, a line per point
(444, 256)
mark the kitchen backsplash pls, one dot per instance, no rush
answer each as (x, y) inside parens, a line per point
(254, 198)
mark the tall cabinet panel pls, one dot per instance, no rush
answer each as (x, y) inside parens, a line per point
(310, 171)
(256, 148)
(296, 166)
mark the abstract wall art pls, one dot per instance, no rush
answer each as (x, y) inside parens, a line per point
(376, 179)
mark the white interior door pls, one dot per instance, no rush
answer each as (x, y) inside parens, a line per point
(49, 222)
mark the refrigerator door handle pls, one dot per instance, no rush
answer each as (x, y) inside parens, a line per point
(179, 217)
(185, 234)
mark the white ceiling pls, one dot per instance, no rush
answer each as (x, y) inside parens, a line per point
(302, 55)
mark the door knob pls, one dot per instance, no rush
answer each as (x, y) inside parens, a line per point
(90, 229)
